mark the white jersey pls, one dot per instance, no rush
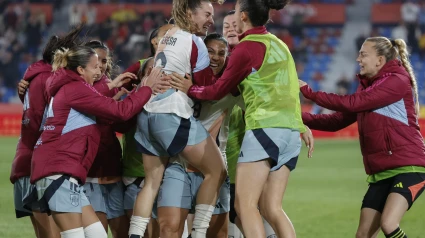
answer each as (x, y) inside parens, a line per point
(178, 52)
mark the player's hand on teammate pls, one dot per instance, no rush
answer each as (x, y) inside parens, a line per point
(157, 81)
(309, 141)
(121, 93)
(302, 83)
(22, 86)
(181, 83)
(122, 79)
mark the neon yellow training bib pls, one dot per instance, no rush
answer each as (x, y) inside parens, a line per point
(271, 94)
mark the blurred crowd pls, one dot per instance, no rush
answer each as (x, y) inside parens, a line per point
(23, 32)
(411, 28)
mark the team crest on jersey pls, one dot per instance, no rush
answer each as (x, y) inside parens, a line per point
(75, 199)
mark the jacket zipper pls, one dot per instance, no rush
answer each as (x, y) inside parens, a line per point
(367, 158)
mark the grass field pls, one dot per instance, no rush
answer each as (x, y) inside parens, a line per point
(323, 197)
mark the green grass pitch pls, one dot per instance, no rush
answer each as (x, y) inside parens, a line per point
(323, 197)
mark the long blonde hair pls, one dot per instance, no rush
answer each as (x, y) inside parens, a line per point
(182, 10)
(397, 49)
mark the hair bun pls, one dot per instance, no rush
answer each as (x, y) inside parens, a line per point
(276, 4)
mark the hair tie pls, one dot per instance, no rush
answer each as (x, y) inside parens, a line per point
(393, 43)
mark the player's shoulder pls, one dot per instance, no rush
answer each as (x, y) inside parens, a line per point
(198, 42)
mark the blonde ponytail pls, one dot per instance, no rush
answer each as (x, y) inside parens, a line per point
(181, 16)
(60, 59)
(404, 57)
(397, 49)
(72, 58)
(180, 13)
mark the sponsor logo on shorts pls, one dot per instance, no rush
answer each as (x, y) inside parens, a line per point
(75, 199)
(399, 185)
(241, 154)
(272, 236)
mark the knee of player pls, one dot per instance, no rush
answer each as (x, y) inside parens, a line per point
(269, 210)
(169, 225)
(95, 230)
(216, 174)
(242, 206)
(388, 225)
(270, 214)
(153, 181)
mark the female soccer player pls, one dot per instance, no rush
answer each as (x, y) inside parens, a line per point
(181, 181)
(166, 127)
(103, 186)
(263, 68)
(35, 100)
(229, 29)
(386, 108)
(236, 134)
(65, 150)
(132, 164)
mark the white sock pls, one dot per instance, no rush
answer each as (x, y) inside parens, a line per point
(203, 214)
(185, 230)
(73, 233)
(95, 230)
(268, 228)
(138, 226)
